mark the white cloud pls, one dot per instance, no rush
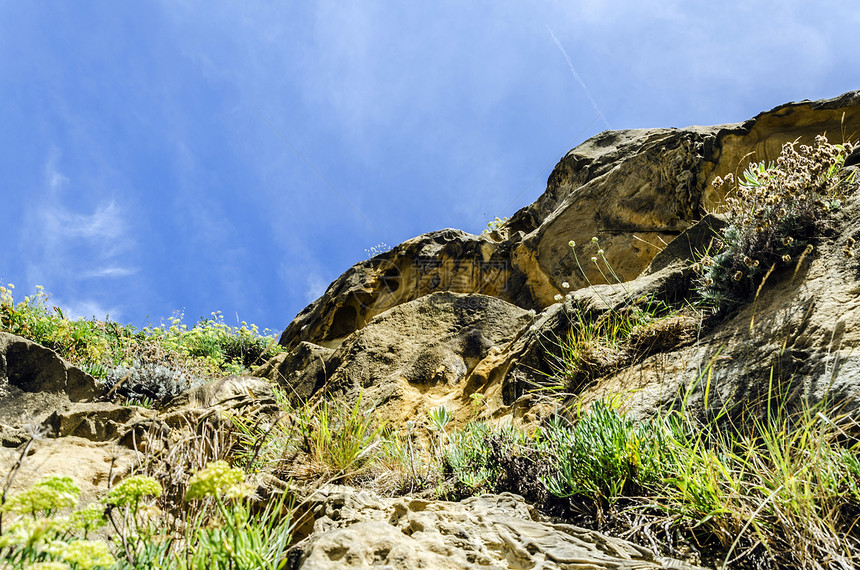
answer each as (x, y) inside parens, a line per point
(88, 309)
(110, 272)
(315, 287)
(68, 239)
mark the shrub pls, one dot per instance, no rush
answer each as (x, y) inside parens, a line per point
(151, 364)
(336, 441)
(775, 213)
(149, 382)
(604, 455)
(226, 531)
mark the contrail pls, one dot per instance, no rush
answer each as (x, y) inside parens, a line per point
(578, 78)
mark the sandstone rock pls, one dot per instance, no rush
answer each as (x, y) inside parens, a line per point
(359, 530)
(300, 372)
(636, 190)
(795, 340)
(92, 465)
(30, 367)
(102, 421)
(761, 138)
(689, 245)
(35, 382)
(230, 391)
(447, 260)
(425, 353)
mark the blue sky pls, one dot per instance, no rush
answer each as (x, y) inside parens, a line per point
(239, 156)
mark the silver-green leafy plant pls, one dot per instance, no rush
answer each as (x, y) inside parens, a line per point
(775, 213)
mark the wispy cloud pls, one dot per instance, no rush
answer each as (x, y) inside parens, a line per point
(110, 272)
(88, 309)
(104, 225)
(315, 286)
(68, 239)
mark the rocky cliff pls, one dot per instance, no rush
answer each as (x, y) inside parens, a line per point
(642, 194)
(594, 293)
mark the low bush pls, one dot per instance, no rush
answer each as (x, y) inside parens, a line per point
(45, 529)
(775, 214)
(145, 365)
(781, 489)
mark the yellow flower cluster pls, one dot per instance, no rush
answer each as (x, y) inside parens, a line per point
(131, 490)
(215, 479)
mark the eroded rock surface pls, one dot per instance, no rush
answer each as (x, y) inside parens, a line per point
(360, 530)
(425, 353)
(93, 465)
(797, 339)
(636, 190)
(34, 383)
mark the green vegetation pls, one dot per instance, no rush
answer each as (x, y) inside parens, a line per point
(773, 484)
(775, 215)
(776, 486)
(144, 365)
(495, 224)
(781, 487)
(600, 341)
(48, 531)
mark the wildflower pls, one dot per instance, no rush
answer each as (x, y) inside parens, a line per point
(566, 285)
(594, 259)
(558, 298)
(27, 532)
(87, 554)
(599, 252)
(130, 490)
(850, 241)
(572, 244)
(786, 258)
(594, 239)
(787, 240)
(49, 494)
(240, 491)
(738, 276)
(87, 519)
(216, 478)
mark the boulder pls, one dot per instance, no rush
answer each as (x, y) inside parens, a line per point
(34, 383)
(446, 260)
(227, 392)
(425, 353)
(300, 372)
(102, 421)
(93, 465)
(357, 529)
